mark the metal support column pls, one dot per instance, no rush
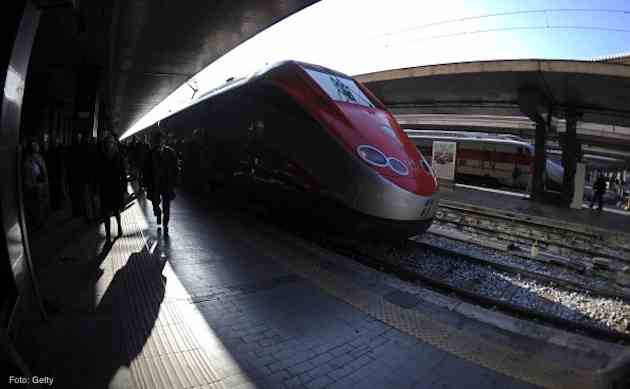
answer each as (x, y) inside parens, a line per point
(14, 248)
(534, 104)
(540, 161)
(569, 156)
(18, 283)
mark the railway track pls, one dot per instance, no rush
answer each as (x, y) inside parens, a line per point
(558, 239)
(572, 300)
(600, 275)
(508, 289)
(539, 271)
(601, 266)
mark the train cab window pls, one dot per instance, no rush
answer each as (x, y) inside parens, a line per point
(339, 88)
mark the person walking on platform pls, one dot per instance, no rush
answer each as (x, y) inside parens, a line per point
(132, 157)
(142, 150)
(77, 166)
(160, 177)
(90, 192)
(113, 180)
(55, 163)
(36, 195)
(599, 188)
(626, 195)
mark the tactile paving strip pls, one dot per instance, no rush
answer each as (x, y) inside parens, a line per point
(527, 365)
(163, 351)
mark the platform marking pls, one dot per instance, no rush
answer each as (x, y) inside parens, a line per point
(164, 351)
(168, 361)
(529, 366)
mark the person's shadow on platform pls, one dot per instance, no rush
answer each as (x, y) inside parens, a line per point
(96, 350)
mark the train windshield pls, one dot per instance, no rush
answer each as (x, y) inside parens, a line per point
(340, 88)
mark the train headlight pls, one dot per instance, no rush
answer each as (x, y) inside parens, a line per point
(398, 166)
(372, 155)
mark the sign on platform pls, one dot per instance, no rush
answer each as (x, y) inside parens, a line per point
(444, 154)
(578, 193)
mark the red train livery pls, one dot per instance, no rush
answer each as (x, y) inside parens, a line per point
(314, 140)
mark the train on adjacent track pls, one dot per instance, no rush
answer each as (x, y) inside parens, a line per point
(491, 159)
(315, 143)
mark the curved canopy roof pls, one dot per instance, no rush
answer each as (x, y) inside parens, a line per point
(600, 92)
(157, 45)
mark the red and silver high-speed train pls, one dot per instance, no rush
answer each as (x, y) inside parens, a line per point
(311, 135)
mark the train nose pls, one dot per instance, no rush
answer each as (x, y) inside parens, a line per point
(411, 172)
(421, 179)
(425, 175)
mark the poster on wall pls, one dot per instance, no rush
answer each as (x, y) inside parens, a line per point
(444, 159)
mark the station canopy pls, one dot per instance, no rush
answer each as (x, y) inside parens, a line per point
(484, 95)
(141, 51)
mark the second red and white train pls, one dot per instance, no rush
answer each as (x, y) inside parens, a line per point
(504, 160)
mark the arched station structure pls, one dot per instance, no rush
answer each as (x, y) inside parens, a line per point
(96, 67)
(576, 103)
(230, 299)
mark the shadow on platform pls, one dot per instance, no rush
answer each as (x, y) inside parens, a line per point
(92, 348)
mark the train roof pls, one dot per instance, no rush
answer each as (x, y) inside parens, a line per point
(235, 83)
(264, 70)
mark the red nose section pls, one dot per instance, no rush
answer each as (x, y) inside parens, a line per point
(377, 128)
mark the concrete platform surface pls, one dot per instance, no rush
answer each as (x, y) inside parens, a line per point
(219, 304)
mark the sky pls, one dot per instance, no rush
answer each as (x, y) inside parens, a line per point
(362, 36)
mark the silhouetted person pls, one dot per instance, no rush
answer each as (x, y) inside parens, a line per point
(90, 190)
(75, 163)
(35, 177)
(55, 164)
(132, 157)
(112, 178)
(160, 177)
(599, 188)
(192, 160)
(142, 151)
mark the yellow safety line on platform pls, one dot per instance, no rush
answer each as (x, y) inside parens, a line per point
(523, 365)
(156, 366)
(165, 353)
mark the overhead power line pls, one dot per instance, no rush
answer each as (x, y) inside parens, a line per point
(502, 29)
(500, 14)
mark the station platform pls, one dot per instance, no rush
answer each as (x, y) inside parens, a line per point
(226, 301)
(517, 204)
